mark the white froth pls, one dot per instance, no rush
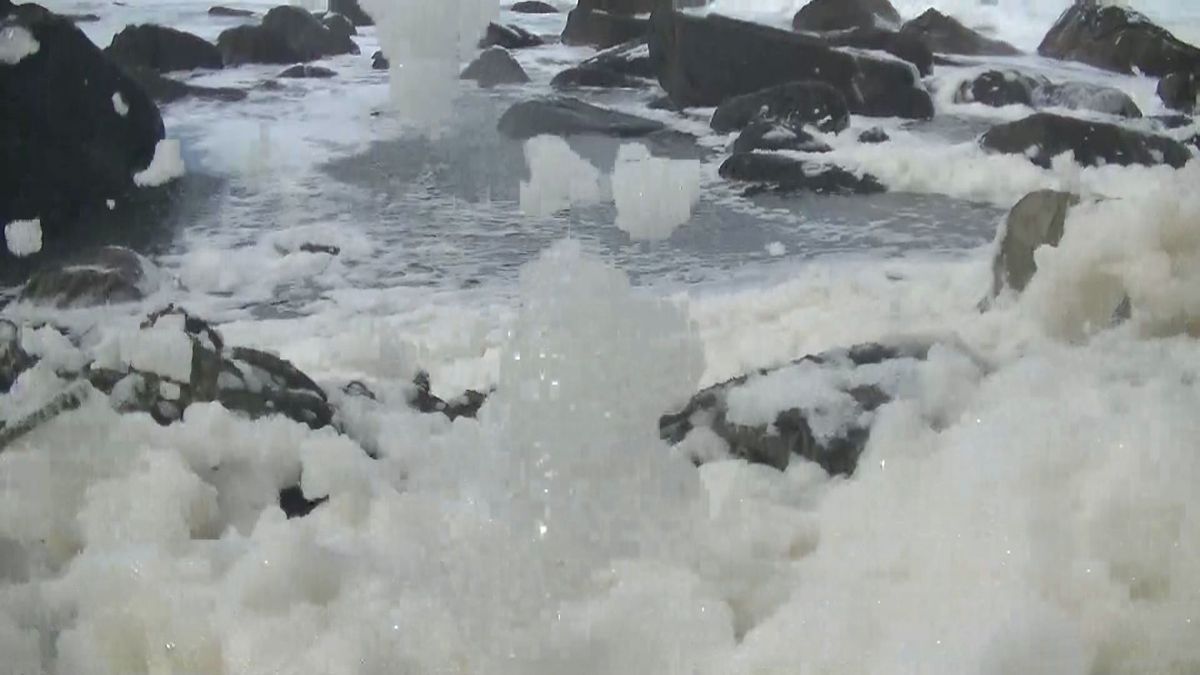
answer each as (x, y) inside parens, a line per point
(558, 178)
(653, 195)
(166, 166)
(119, 104)
(16, 43)
(23, 237)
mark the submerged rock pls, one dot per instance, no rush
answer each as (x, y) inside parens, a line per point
(508, 37)
(1037, 220)
(587, 76)
(493, 67)
(945, 35)
(162, 49)
(1042, 136)
(167, 90)
(229, 12)
(771, 137)
(789, 174)
(287, 35)
(1181, 91)
(793, 106)
(1009, 87)
(304, 71)
(109, 275)
(830, 15)
(568, 116)
(873, 136)
(1117, 38)
(379, 61)
(534, 7)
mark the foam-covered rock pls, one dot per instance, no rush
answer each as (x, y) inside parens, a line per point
(789, 174)
(793, 105)
(1010, 87)
(1043, 136)
(763, 135)
(1117, 38)
(109, 275)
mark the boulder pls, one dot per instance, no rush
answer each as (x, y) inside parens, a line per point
(628, 58)
(1118, 39)
(13, 359)
(830, 15)
(166, 90)
(287, 35)
(379, 61)
(1009, 87)
(1037, 220)
(789, 174)
(900, 45)
(793, 106)
(302, 71)
(828, 418)
(106, 276)
(601, 29)
(771, 137)
(74, 129)
(351, 10)
(1043, 136)
(874, 136)
(568, 116)
(339, 25)
(533, 7)
(590, 76)
(509, 37)
(945, 35)
(495, 66)
(705, 60)
(229, 12)
(1180, 91)
(162, 49)
(998, 88)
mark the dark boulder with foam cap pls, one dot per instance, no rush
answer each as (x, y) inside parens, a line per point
(1043, 136)
(1119, 39)
(163, 49)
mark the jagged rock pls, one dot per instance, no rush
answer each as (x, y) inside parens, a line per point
(493, 67)
(793, 106)
(1037, 220)
(166, 90)
(771, 137)
(705, 60)
(287, 35)
(509, 37)
(625, 66)
(601, 29)
(304, 71)
(567, 116)
(533, 7)
(109, 275)
(294, 504)
(1042, 136)
(874, 136)
(585, 76)
(945, 35)
(339, 25)
(351, 10)
(789, 174)
(900, 45)
(379, 61)
(162, 49)
(830, 15)
(827, 421)
(229, 12)
(1180, 91)
(1119, 39)
(1008, 87)
(467, 405)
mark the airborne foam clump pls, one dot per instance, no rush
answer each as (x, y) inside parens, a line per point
(653, 195)
(558, 178)
(16, 43)
(119, 104)
(425, 43)
(166, 166)
(23, 237)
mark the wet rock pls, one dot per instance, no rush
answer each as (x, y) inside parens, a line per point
(304, 71)
(945, 35)
(788, 174)
(509, 37)
(493, 67)
(705, 60)
(998, 88)
(229, 12)
(830, 15)
(83, 18)
(1118, 39)
(167, 90)
(1037, 220)
(827, 421)
(1043, 136)
(294, 504)
(900, 45)
(1008, 87)
(601, 29)
(76, 129)
(287, 35)
(339, 25)
(351, 10)
(379, 61)
(874, 136)
(793, 106)
(162, 49)
(357, 389)
(422, 400)
(585, 76)
(1174, 121)
(534, 7)
(1180, 91)
(329, 249)
(106, 276)
(628, 58)
(568, 116)
(13, 359)
(771, 137)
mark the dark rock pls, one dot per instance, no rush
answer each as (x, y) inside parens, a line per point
(358, 389)
(1043, 136)
(495, 66)
(304, 71)
(704, 60)
(874, 136)
(628, 58)
(533, 7)
(945, 35)
(1180, 91)
(229, 12)
(1194, 141)
(379, 61)
(793, 106)
(423, 400)
(110, 275)
(339, 25)
(162, 49)
(294, 504)
(789, 174)
(832, 434)
(351, 10)
(1037, 220)
(1174, 121)
(66, 149)
(902, 46)
(769, 136)
(567, 116)
(1118, 39)
(601, 29)
(13, 359)
(999, 88)
(509, 37)
(587, 76)
(1009, 87)
(287, 35)
(631, 7)
(309, 247)
(83, 18)
(166, 90)
(829, 15)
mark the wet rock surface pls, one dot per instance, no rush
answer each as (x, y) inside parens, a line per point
(1043, 136)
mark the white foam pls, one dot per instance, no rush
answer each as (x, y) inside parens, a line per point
(653, 195)
(166, 165)
(16, 43)
(558, 178)
(23, 237)
(119, 104)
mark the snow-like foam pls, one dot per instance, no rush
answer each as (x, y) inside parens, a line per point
(653, 195)
(558, 178)
(164, 167)
(23, 237)
(16, 43)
